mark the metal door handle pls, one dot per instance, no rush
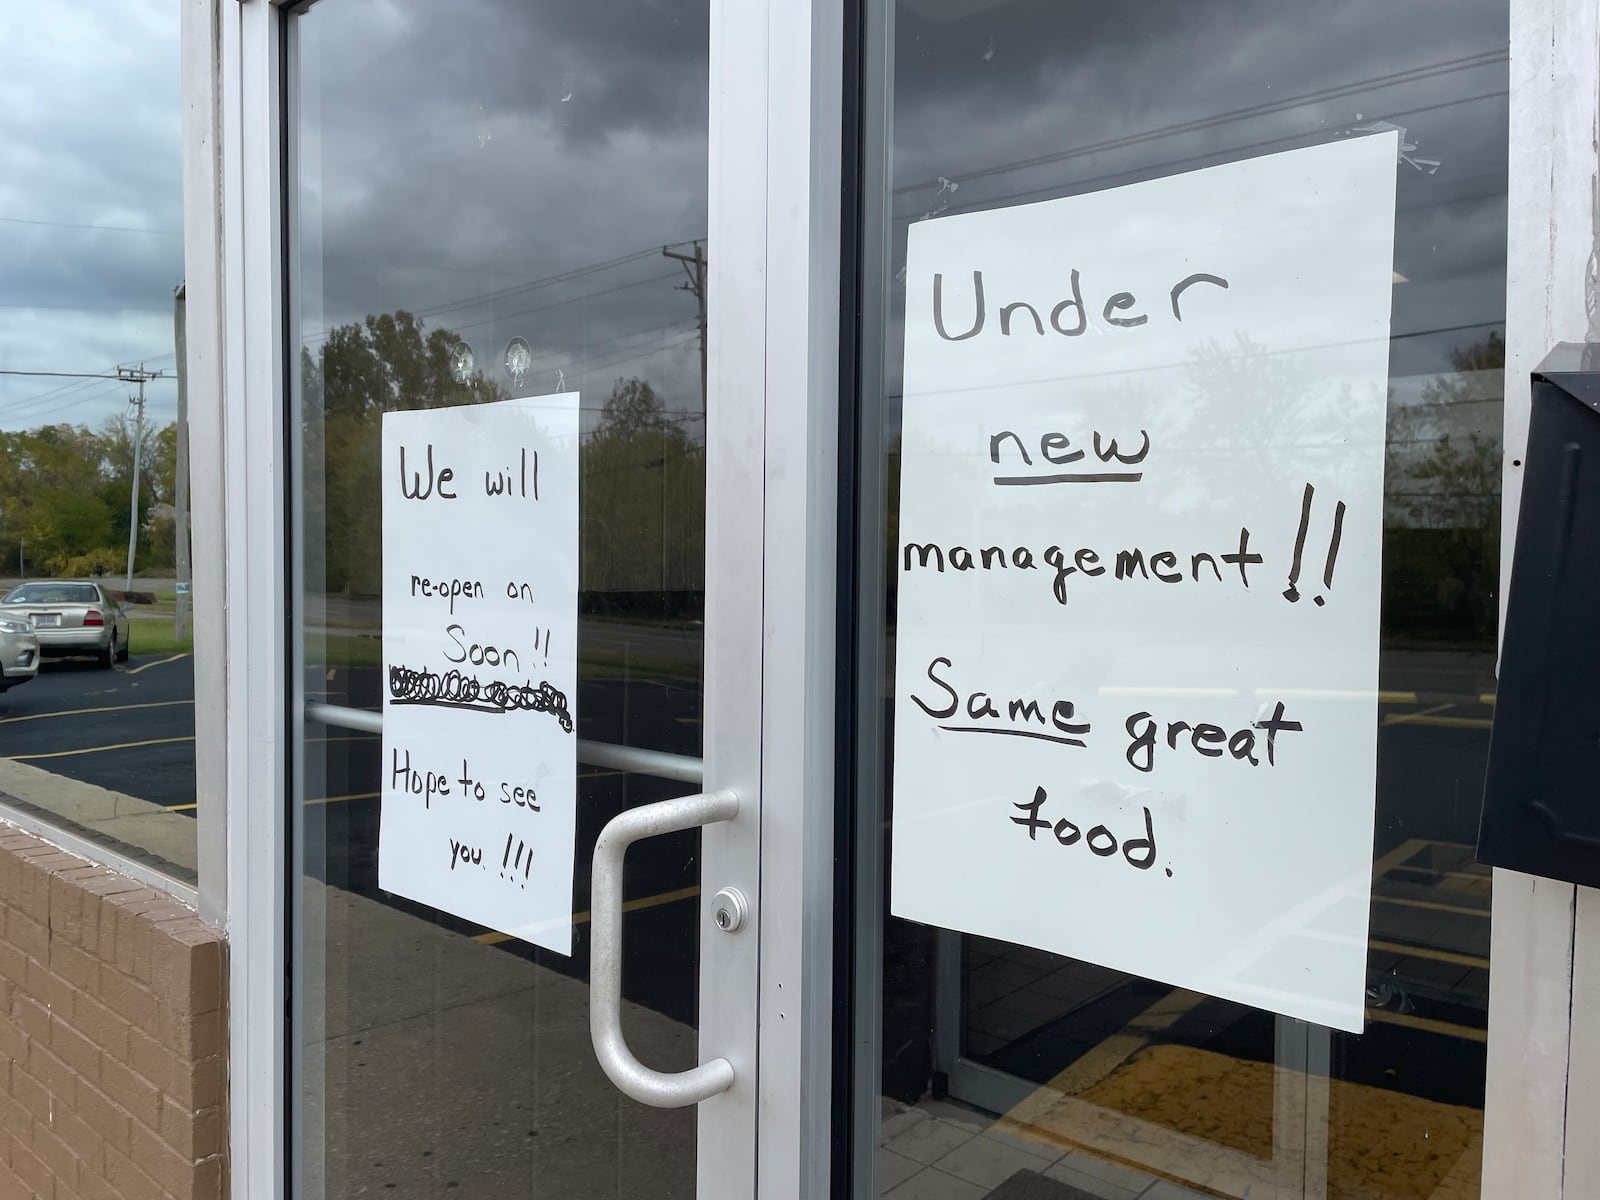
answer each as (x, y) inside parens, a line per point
(660, 1089)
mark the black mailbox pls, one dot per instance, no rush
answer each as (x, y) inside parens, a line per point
(1541, 805)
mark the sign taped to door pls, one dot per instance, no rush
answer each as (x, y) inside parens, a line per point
(1140, 527)
(480, 587)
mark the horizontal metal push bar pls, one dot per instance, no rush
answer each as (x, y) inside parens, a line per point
(680, 768)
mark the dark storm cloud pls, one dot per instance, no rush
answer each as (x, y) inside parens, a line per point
(1035, 99)
(90, 202)
(461, 156)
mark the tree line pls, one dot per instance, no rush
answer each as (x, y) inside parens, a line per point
(641, 480)
(65, 493)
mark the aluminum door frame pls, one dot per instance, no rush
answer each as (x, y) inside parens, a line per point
(775, 134)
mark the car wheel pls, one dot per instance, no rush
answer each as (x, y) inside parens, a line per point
(122, 654)
(105, 656)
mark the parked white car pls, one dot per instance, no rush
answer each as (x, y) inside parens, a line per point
(71, 616)
(19, 652)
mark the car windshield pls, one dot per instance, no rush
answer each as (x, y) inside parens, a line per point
(54, 593)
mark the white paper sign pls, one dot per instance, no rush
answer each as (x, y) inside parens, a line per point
(480, 587)
(1140, 523)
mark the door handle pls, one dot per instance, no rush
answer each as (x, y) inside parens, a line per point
(660, 1089)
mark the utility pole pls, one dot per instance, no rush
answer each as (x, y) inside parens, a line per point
(180, 486)
(140, 376)
(694, 266)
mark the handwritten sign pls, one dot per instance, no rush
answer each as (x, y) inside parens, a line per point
(480, 586)
(1140, 524)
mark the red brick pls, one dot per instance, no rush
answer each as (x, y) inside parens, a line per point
(13, 1042)
(74, 964)
(32, 898)
(129, 1181)
(159, 1160)
(191, 1037)
(210, 1179)
(172, 964)
(11, 1184)
(49, 1070)
(202, 1084)
(27, 935)
(85, 1141)
(132, 1092)
(14, 1115)
(74, 916)
(108, 1118)
(55, 1152)
(13, 963)
(106, 1029)
(129, 999)
(95, 1187)
(72, 1048)
(47, 988)
(133, 941)
(112, 884)
(31, 1094)
(32, 1169)
(32, 1017)
(152, 1060)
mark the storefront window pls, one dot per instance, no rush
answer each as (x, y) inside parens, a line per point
(998, 1066)
(96, 671)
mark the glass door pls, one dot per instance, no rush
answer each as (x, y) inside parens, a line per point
(1006, 1046)
(503, 450)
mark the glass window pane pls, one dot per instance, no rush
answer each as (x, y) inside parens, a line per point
(995, 1058)
(96, 674)
(493, 201)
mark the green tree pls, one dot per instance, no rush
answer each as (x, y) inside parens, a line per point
(1442, 501)
(642, 484)
(386, 363)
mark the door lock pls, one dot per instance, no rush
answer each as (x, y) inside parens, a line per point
(730, 910)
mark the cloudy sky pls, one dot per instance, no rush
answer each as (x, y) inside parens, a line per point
(1035, 99)
(507, 172)
(90, 204)
(510, 172)
(513, 171)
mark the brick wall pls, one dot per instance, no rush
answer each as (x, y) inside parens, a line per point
(112, 1035)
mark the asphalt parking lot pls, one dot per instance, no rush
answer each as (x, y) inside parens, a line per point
(129, 729)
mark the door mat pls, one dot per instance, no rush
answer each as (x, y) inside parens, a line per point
(1380, 1142)
(1030, 1185)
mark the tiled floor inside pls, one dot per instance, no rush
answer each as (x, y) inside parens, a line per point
(941, 1151)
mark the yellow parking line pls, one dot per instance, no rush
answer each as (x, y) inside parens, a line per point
(1449, 956)
(1435, 906)
(582, 918)
(1414, 717)
(1405, 851)
(317, 800)
(1451, 722)
(1410, 1021)
(158, 663)
(342, 799)
(99, 749)
(78, 712)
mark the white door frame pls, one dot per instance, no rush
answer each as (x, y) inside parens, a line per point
(773, 432)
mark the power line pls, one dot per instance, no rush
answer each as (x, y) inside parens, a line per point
(80, 225)
(1414, 75)
(63, 374)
